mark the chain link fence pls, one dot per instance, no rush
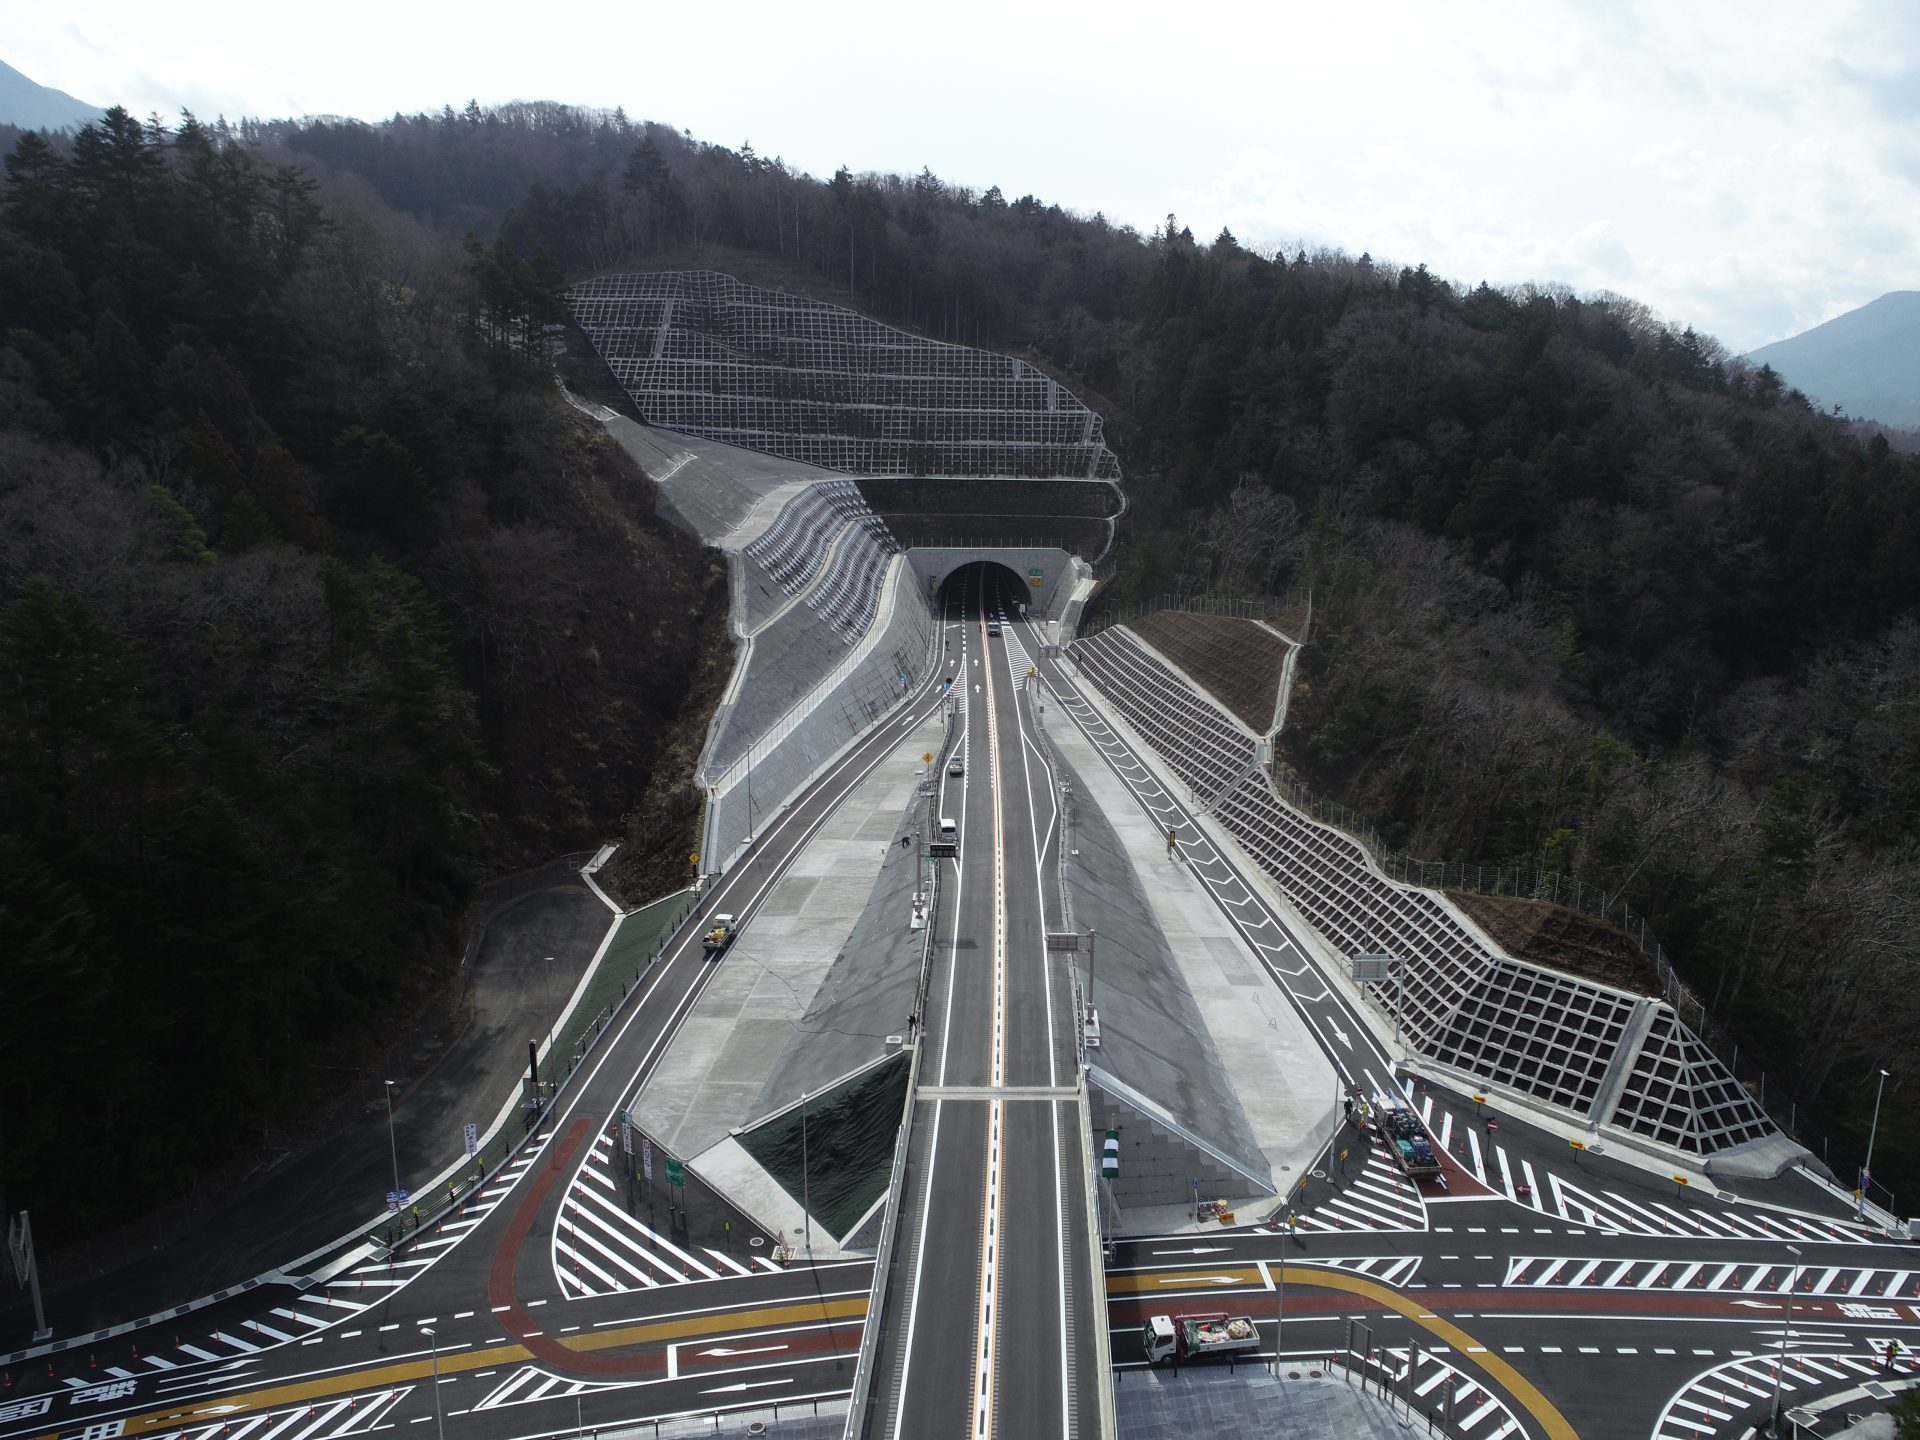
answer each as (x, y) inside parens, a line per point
(1530, 882)
(1230, 607)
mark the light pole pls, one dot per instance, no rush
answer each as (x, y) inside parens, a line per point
(439, 1420)
(1866, 1170)
(806, 1198)
(393, 1146)
(1793, 1281)
(1279, 1312)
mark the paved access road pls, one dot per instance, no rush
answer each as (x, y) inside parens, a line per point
(989, 1303)
(1538, 1291)
(710, 1323)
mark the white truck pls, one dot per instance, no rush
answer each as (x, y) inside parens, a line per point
(1195, 1337)
(719, 935)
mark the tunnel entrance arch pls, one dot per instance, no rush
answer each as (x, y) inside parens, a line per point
(1042, 576)
(977, 587)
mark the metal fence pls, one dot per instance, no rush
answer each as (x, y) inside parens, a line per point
(1230, 607)
(1529, 882)
(601, 999)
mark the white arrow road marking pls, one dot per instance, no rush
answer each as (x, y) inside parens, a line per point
(753, 1350)
(1196, 1250)
(747, 1385)
(1756, 1305)
(1204, 1280)
(1340, 1034)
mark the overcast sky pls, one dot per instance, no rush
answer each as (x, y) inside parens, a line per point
(1748, 168)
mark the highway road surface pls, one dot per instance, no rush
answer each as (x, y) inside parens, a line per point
(990, 1301)
(1540, 1293)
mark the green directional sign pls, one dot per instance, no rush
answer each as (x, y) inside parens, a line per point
(676, 1172)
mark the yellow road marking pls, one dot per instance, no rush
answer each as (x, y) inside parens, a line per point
(224, 1408)
(983, 1374)
(1464, 1345)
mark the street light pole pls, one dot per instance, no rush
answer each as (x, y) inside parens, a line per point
(1279, 1312)
(1866, 1170)
(1793, 1282)
(806, 1197)
(393, 1145)
(439, 1420)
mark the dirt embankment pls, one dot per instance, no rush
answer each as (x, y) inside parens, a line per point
(1550, 934)
(1238, 661)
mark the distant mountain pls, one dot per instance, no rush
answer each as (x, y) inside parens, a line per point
(40, 107)
(1867, 360)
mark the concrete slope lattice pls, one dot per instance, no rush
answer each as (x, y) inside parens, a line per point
(1601, 1056)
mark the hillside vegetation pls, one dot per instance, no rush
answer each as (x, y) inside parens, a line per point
(1586, 591)
(317, 607)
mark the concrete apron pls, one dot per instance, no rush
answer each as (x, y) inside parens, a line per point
(713, 1072)
(1284, 1082)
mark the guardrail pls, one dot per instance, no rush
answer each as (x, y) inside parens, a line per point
(576, 1032)
(863, 1370)
(1096, 1248)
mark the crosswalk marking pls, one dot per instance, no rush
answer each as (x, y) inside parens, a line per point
(1736, 1277)
(598, 1248)
(1566, 1199)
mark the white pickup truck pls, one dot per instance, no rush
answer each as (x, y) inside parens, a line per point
(1194, 1337)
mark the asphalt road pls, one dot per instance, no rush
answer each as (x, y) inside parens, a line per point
(311, 1364)
(987, 1307)
(1556, 1292)
(1541, 1293)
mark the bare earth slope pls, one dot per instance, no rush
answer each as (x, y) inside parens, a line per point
(1238, 661)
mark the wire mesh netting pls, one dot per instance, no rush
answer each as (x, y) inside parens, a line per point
(703, 353)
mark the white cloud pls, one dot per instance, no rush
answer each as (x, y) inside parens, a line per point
(1749, 169)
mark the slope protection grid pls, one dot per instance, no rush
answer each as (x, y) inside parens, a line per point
(1604, 1058)
(831, 626)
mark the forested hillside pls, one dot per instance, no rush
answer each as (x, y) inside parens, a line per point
(1587, 593)
(317, 608)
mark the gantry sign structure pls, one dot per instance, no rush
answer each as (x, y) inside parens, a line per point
(707, 355)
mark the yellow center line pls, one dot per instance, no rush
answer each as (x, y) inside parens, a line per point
(223, 1408)
(1464, 1345)
(990, 1199)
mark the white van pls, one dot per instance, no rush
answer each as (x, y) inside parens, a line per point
(949, 832)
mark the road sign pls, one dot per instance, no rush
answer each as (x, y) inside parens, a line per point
(395, 1199)
(1110, 1155)
(676, 1172)
(626, 1132)
(472, 1134)
(1036, 578)
(1063, 940)
(646, 1157)
(1373, 968)
(927, 759)
(1577, 1144)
